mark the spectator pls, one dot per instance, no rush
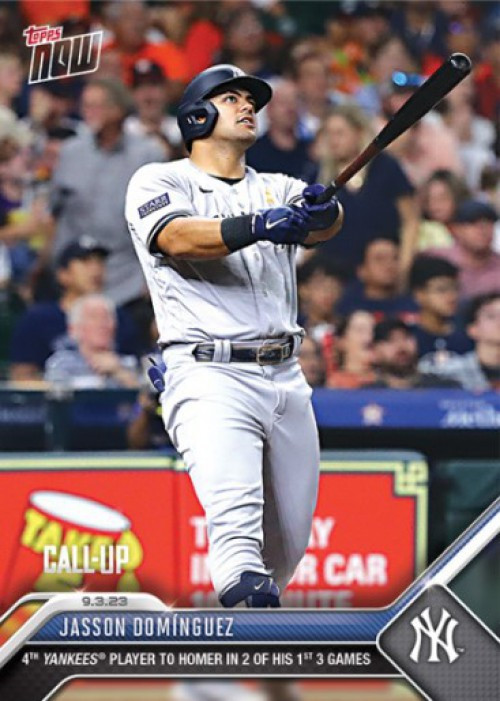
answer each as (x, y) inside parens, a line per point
(388, 55)
(463, 34)
(54, 12)
(395, 353)
(478, 370)
(90, 183)
(429, 144)
(377, 288)
(350, 34)
(475, 135)
(130, 25)
(245, 43)
(11, 308)
(442, 194)
(378, 201)
(354, 349)
(320, 286)
(47, 158)
(145, 430)
(11, 79)
(422, 27)
(189, 25)
(473, 251)
(25, 224)
(434, 284)
(280, 149)
(312, 76)
(150, 94)
(53, 105)
(312, 362)
(490, 186)
(90, 361)
(440, 197)
(487, 78)
(42, 329)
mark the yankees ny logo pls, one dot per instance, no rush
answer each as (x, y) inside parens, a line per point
(440, 635)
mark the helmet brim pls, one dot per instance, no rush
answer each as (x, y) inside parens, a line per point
(259, 89)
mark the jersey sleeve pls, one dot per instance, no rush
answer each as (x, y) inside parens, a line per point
(155, 196)
(293, 190)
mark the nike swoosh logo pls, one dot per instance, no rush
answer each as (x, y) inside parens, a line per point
(271, 225)
(259, 586)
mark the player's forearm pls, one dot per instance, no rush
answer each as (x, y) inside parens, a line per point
(325, 234)
(192, 237)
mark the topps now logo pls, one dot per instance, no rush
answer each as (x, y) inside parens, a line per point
(54, 57)
(440, 636)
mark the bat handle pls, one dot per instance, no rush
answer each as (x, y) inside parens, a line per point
(330, 191)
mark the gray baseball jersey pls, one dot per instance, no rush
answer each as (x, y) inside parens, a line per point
(247, 295)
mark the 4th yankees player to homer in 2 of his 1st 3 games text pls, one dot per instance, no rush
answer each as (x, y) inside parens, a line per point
(217, 243)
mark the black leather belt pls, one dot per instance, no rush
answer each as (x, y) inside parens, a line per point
(270, 352)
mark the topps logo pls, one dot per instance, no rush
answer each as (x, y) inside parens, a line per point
(440, 636)
(53, 57)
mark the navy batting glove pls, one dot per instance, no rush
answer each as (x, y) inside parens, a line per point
(320, 216)
(282, 225)
(156, 374)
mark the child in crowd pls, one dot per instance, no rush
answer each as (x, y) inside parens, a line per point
(434, 284)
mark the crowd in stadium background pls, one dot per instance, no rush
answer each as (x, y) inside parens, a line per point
(407, 295)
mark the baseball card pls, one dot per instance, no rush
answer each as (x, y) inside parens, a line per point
(249, 351)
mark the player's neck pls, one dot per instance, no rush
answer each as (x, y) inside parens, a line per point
(222, 161)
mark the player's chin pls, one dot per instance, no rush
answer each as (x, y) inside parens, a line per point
(249, 137)
(250, 130)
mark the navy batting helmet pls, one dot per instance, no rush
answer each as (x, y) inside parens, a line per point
(197, 116)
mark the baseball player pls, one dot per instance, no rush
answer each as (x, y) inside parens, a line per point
(217, 242)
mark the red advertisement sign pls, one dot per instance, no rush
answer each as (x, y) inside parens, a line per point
(368, 539)
(90, 505)
(132, 523)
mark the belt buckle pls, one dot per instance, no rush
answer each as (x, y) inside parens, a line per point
(270, 347)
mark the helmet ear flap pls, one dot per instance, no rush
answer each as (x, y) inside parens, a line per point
(197, 120)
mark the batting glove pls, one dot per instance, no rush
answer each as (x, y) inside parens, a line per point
(282, 225)
(320, 216)
(156, 374)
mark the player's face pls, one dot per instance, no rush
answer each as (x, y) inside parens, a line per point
(236, 119)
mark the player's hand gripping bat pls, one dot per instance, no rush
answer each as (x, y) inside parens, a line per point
(439, 84)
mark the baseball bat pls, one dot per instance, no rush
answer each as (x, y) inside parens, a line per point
(439, 84)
